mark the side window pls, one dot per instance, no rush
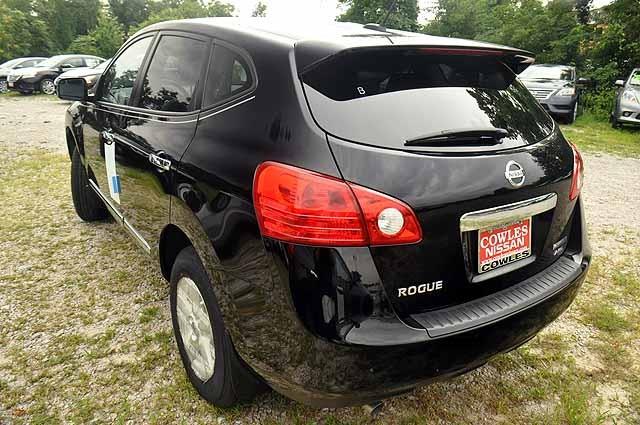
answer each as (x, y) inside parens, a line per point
(91, 62)
(118, 80)
(173, 75)
(229, 75)
(72, 63)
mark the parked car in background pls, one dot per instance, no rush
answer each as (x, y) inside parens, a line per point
(343, 212)
(90, 75)
(557, 88)
(18, 63)
(626, 109)
(41, 76)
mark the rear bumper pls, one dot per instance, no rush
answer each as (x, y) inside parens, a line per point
(367, 352)
(340, 376)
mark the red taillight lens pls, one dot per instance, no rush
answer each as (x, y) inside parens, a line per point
(578, 173)
(301, 206)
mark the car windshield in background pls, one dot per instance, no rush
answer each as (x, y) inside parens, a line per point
(51, 62)
(635, 78)
(9, 63)
(546, 73)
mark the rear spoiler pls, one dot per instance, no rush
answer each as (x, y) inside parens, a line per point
(308, 54)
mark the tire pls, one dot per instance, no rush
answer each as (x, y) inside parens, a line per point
(615, 123)
(86, 202)
(571, 116)
(224, 380)
(47, 86)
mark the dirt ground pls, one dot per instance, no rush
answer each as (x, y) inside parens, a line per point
(84, 341)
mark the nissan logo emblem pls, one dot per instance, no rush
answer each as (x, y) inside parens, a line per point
(514, 173)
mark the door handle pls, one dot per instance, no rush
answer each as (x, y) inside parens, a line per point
(162, 163)
(108, 137)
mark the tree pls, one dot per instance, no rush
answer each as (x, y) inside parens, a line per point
(66, 19)
(129, 13)
(583, 10)
(403, 14)
(260, 10)
(166, 10)
(21, 34)
(104, 40)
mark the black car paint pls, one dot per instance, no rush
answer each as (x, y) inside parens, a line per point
(269, 291)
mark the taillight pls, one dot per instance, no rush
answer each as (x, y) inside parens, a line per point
(301, 206)
(578, 173)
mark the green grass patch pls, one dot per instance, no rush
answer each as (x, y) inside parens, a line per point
(593, 135)
(605, 318)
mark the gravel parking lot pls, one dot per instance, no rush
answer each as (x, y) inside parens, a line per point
(85, 332)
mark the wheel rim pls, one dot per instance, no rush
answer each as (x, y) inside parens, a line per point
(3, 86)
(195, 329)
(48, 87)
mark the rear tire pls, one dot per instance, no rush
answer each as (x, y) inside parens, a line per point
(86, 202)
(224, 380)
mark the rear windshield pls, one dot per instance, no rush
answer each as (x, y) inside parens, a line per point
(371, 73)
(385, 97)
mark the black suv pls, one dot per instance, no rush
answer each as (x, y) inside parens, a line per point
(557, 88)
(343, 213)
(41, 76)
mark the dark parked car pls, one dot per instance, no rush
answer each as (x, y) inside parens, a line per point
(18, 63)
(41, 76)
(90, 75)
(557, 88)
(626, 109)
(343, 213)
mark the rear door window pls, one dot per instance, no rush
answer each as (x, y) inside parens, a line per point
(386, 97)
(229, 76)
(174, 74)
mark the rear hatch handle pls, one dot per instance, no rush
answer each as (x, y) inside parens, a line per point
(461, 136)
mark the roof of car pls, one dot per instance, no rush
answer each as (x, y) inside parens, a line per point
(347, 34)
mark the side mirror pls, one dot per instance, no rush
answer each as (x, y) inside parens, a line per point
(72, 89)
(585, 82)
(619, 83)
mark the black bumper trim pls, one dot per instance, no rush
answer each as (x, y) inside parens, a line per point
(497, 306)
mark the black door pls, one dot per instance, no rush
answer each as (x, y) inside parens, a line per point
(156, 131)
(106, 117)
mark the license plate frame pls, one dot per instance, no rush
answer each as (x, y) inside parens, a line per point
(503, 245)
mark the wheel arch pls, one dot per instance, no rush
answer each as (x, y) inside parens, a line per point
(172, 241)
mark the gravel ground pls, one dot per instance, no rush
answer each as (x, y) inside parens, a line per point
(82, 340)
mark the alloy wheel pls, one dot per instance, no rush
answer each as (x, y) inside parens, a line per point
(195, 328)
(48, 87)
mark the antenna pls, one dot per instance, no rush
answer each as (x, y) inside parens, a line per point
(392, 5)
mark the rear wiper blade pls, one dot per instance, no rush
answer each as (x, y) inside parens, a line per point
(462, 136)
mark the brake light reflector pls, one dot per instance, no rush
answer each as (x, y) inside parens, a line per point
(577, 177)
(302, 206)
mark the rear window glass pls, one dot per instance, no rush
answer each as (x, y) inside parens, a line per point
(393, 96)
(370, 73)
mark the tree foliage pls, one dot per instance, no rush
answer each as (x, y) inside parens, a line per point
(104, 40)
(260, 10)
(403, 14)
(166, 10)
(129, 13)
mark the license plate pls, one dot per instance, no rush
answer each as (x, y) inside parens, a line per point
(10, 85)
(500, 246)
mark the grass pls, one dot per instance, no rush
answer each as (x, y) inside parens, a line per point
(594, 135)
(85, 339)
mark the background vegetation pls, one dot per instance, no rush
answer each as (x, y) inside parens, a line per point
(604, 44)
